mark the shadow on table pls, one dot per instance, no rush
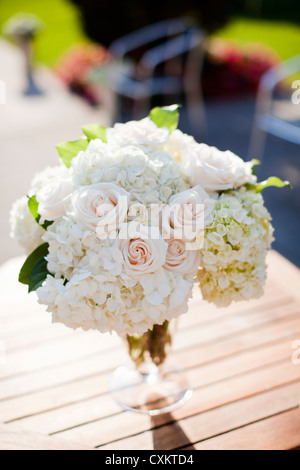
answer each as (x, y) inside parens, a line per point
(168, 437)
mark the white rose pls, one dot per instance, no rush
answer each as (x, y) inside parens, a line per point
(215, 170)
(179, 260)
(183, 149)
(143, 133)
(188, 214)
(101, 207)
(46, 176)
(53, 197)
(143, 249)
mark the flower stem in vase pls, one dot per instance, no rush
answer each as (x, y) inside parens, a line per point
(152, 345)
(150, 384)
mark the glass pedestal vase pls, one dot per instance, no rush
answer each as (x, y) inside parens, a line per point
(150, 383)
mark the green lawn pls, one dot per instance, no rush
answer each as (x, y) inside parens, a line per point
(282, 37)
(62, 21)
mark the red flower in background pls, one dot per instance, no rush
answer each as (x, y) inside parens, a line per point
(232, 70)
(76, 66)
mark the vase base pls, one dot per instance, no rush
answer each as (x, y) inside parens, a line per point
(152, 394)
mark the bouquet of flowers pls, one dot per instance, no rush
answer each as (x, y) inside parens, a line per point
(132, 217)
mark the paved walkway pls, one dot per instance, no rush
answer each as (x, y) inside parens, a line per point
(29, 130)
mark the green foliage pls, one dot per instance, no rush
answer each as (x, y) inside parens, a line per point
(255, 163)
(33, 207)
(69, 150)
(272, 181)
(95, 131)
(38, 275)
(166, 117)
(34, 271)
(34, 210)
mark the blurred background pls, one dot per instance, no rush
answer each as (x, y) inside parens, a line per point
(234, 65)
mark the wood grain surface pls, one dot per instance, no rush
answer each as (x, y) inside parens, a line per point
(54, 383)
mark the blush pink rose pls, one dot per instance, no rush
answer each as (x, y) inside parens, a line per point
(187, 215)
(101, 207)
(179, 260)
(143, 249)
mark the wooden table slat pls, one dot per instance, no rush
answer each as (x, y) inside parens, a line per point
(280, 432)
(183, 432)
(15, 438)
(54, 385)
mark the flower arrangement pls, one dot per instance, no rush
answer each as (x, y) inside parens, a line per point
(130, 219)
(76, 66)
(133, 216)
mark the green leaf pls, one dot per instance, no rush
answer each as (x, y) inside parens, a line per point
(27, 268)
(33, 207)
(34, 210)
(272, 181)
(47, 224)
(94, 131)
(38, 274)
(166, 117)
(254, 164)
(69, 150)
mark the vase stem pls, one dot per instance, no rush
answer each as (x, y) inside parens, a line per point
(150, 384)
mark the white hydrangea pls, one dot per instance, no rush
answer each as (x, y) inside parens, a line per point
(233, 256)
(65, 247)
(24, 227)
(45, 176)
(105, 303)
(98, 293)
(149, 180)
(144, 134)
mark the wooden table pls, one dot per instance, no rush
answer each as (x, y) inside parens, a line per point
(54, 383)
